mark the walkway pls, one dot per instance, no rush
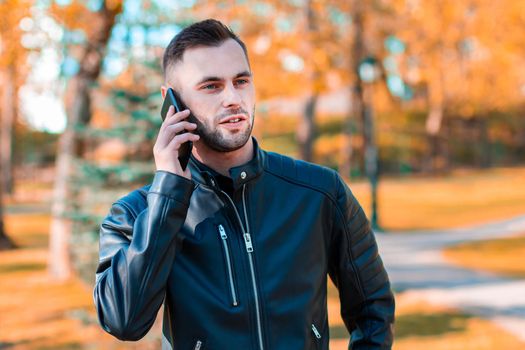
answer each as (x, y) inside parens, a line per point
(415, 265)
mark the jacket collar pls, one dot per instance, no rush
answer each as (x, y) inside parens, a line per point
(240, 174)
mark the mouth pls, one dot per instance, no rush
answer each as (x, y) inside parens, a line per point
(233, 119)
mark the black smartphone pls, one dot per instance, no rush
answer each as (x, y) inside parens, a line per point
(173, 99)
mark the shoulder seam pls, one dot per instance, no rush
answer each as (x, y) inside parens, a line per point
(299, 183)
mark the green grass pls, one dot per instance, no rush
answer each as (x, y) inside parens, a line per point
(503, 256)
(430, 325)
(22, 267)
(460, 199)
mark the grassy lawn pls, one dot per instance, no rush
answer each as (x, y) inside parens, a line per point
(464, 198)
(424, 326)
(502, 256)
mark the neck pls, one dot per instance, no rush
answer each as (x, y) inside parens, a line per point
(222, 162)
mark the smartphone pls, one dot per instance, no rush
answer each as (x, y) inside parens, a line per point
(173, 99)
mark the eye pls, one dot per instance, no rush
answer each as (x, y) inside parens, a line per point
(210, 86)
(242, 81)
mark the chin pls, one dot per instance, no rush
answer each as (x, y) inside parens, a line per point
(227, 144)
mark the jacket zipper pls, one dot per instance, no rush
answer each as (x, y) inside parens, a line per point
(224, 239)
(249, 251)
(198, 345)
(316, 332)
(317, 339)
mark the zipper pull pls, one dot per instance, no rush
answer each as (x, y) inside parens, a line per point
(248, 242)
(222, 231)
(198, 345)
(316, 332)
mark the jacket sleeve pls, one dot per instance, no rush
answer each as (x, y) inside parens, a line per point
(367, 302)
(137, 248)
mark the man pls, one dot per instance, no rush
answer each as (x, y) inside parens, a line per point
(237, 246)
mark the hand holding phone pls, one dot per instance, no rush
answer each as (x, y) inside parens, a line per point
(175, 136)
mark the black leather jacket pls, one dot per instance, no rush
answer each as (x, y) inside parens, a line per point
(247, 272)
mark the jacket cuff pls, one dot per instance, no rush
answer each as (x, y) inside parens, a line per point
(172, 185)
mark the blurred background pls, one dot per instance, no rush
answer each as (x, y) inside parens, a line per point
(419, 105)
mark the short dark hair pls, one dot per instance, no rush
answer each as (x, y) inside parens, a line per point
(209, 32)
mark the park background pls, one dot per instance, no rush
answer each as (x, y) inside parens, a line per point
(418, 104)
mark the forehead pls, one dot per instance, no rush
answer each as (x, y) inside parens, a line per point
(224, 61)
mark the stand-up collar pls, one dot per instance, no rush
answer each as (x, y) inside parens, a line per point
(240, 174)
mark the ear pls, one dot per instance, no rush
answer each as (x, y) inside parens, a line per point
(163, 91)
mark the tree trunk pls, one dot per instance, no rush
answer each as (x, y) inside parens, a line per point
(357, 54)
(346, 149)
(306, 128)
(79, 113)
(8, 110)
(437, 160)
(5, 241)
(433, 123)
(485, 156)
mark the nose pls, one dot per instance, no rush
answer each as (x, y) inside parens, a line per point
(231, 96)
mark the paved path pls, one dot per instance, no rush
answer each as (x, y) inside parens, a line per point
(415, 264)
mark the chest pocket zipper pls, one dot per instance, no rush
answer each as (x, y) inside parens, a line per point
(224, 240)
(198, 345)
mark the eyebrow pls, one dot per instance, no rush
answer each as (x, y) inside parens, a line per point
(215, 78)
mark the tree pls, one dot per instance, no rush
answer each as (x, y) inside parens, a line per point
(12, 72)
(463, 57)
(8, 115)
(97, 28)
(320, 59)
(358, 53)
(12, 68)
(6, 130)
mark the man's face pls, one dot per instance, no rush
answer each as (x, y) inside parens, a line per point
(216, 85)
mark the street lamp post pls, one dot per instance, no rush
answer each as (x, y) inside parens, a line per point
(369, 73)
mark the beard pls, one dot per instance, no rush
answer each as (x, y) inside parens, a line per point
(218, 139)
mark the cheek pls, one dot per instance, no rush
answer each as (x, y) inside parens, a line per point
(205, 109)
(250, 96)
(197, 104)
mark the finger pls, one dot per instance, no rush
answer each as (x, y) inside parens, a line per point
(178, 116)
(167, 134)
(178, 140)
(174, 117)
(171, 111)
(179, 127)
